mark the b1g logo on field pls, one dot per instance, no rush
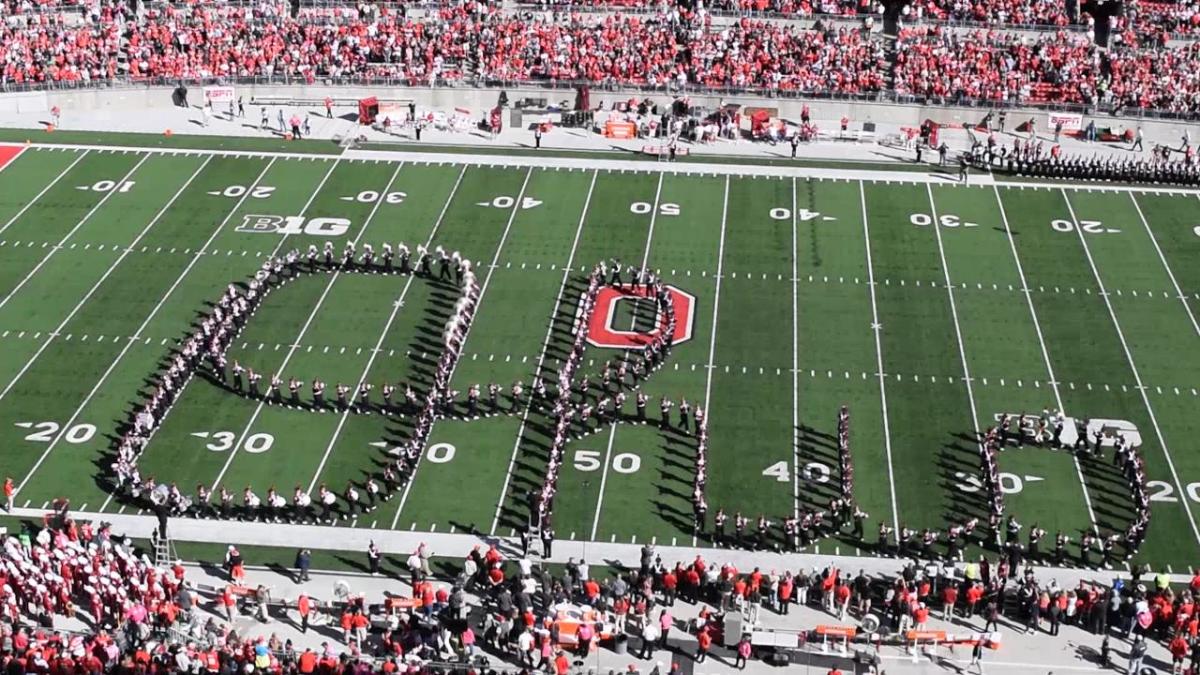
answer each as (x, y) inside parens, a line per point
(288, 225)
(603, 333)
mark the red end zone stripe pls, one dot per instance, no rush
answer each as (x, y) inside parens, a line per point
(8, 153)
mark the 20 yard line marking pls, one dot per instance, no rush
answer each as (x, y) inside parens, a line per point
(1037, 327)
(516, 208)
(304, 329)
(876, 328)
(512, 462)
(612, 432)
(46, 189)
(91, 291)
(153, 312)
(387, 326)
(1132, 366)
(81, 223)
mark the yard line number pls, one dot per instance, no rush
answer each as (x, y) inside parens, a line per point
(946, 220)
(45, 432)
(1085, 226)
(222, 441)
(109, 186)
(589, 460)
(236, 191)
(813, 472)
(664, 209)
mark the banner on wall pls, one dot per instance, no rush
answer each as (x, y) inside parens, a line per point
(1070, 121)
(218, 95)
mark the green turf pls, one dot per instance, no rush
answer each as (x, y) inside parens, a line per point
(95, 286)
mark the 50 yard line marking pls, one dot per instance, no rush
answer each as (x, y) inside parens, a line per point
(153, 312)
(612, 431)
(512, 462)
(516, 208)
(1037, 327)
(88, 216)
(312, 315)
(876, 328)
(387, 326)
(46, 189)
(91, 291)
(1137, 377)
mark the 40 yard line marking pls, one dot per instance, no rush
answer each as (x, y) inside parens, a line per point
(876, 328)
(612, 431)
(88, 216)
(516, 208)
(153, 312)
(46, 189)
(1037, 327)
(512, 462)
(1137, 377)
(91, 291)
(795, 371)
(387, 326)
(304, 329)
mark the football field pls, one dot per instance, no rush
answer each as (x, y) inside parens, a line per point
(927, 308)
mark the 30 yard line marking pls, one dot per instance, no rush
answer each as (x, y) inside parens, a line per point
(1162, 441)
(516, 208)
(512, 462)
(91, 291)
(46, 189)
(1178, 291)
(303, 329)
(387, 326)
(1037, 327)
(128, 343)
(88, 216)
(613, 427)
(876, 328)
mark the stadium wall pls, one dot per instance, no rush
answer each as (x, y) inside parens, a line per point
(128, 100)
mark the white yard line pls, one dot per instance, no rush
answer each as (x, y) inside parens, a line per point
(412, 478)
(1037, 327)
(962, 350)
(135, 338)
(91, 291)
(795, 369)
(46, 189)
(387, 326)
(1162, 441)
(876, 328)
(312, 315)
(537, 369)
(91, 212)
(612, 432)
(1178, 291)
(712, 338)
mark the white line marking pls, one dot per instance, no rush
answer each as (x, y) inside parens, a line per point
(46, 189)
(876, 328)
(1037, 327)
(795, 368)
(1132, 366)
(512, 462)
(1178, 291)
(516, 208)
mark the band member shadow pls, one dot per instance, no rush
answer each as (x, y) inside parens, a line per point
(958, 459)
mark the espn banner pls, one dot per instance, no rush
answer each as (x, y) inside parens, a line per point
(1070, 121)
(215, 95)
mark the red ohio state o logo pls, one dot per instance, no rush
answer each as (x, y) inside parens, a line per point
(602, 333)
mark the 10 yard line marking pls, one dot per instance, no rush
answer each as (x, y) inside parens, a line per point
(387, 326)
(412, 476)
(91, 291)
(304, 329)
(1137, 377)
(129, 344)
(1037, 327)
(70, 234)
(545, 346)
(876, 328)
(612, 431)
(46, 189)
